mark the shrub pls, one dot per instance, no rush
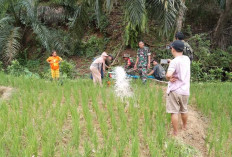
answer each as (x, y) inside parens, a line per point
(209, 65)
(30, 74)
(196, 71)
(201, 46)
(216, 74)
(67, 69)
(93, 46)
(162, 53)
(104, 23)
(1, 66)
(228, 76)
(15, 68)
(33, 65)
(18, 70)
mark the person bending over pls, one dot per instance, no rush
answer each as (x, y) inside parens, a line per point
(96, 67)
(108, 62)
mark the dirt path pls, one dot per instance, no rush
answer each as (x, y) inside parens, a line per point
(195, 134)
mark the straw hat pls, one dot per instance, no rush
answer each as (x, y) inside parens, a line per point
(104, 54)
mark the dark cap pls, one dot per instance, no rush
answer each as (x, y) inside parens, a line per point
(178, 45)
(179, 36)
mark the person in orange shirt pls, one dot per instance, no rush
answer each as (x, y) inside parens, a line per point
(54, 61)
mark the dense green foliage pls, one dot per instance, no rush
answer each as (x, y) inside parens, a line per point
(30, 29)
(93, 46)
(209, 64)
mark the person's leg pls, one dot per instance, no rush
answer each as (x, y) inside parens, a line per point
(93, 70)
(184, 110)
(174, 119)
(144, 74)
(57, 72)
(140, 72)
(184, 117)
(172, 107)
(102, 73)
(96, 75)
(53, 74)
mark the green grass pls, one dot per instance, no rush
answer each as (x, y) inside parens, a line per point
(215, 101)
(43, 118)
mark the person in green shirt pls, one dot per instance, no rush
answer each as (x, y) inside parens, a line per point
(188, 51)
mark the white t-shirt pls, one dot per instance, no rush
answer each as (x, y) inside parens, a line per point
(181, 68)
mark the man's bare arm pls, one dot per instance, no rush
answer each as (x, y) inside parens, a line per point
(169, 75)
(152, 72)
(137, 60)
(149, 61)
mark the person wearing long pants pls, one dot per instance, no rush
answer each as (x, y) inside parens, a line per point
(96, 68)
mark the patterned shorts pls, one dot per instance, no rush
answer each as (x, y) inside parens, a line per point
(55, 73)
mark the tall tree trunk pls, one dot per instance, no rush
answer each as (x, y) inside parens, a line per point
(180, 18)
(224, 17)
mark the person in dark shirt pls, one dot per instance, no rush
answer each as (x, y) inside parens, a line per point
(158, 71)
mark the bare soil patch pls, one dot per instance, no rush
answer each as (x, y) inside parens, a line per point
(195, 134)
(5, 92)
(82, 64)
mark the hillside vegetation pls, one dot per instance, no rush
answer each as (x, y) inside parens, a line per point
(80, 30)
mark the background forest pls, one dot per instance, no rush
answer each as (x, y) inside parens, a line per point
(82, 29)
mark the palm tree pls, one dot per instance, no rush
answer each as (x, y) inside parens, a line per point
(20, 19)
(23, 19)
(163, 12)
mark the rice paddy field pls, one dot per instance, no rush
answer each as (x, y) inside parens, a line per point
(43, 118)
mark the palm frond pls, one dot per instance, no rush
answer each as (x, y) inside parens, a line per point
(165, 13)
(109, 5)
(31, 9)
(43, 33)
(135, 13)
(136, 18)
(79, 21)
(7, 20)
(10, 42)
(59, 41)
